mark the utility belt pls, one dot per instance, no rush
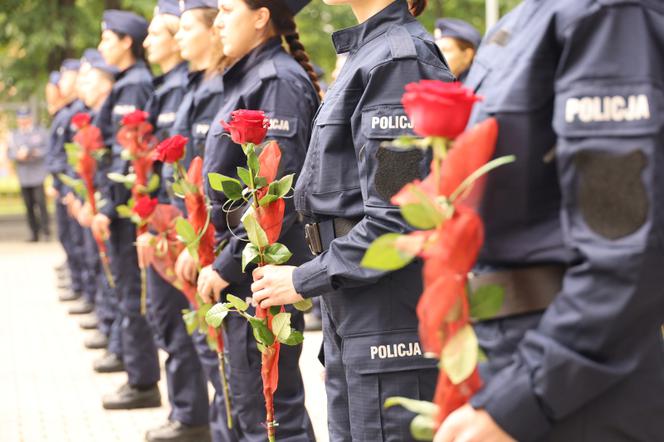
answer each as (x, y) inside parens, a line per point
(526, 290)
(319, 235)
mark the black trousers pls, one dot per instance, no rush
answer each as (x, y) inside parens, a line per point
(35, 199)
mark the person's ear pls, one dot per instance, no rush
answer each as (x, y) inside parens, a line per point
(468, 56)
(262, 18)
(126, 42)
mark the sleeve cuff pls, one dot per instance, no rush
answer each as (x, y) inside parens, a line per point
(509, 398)
(109, 210)
(229, 268)
(311, 279)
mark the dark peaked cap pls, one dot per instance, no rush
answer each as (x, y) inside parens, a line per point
(170, 7)
(459, 29)
(125, 22)
(187, 5)
(94, 58)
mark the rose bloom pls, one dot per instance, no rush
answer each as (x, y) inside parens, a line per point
(145, 206)
(135, 118)
(247, 126)
(171, 149)
(81, 120)
(438, 109)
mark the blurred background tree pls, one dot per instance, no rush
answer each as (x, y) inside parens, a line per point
(36, 35)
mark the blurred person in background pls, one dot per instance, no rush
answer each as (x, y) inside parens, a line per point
(458, 41)
(27, 148)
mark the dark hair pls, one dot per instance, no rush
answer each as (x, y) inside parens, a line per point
(417, 6)
(284, 24)
(137, 49)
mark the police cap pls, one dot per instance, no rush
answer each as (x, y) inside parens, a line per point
(459, 29)
(125, 22)
(296, 6)
(170, 7)
(94, 58)
(70, 64)
(54, 77)
(187, 5)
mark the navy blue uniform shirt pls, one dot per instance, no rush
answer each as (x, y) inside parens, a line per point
(131, 91)
(577, 87)
(346, 173)
(266, 79)
(169, 89)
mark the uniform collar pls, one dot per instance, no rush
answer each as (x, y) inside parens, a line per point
(349, 39)
(253, 59)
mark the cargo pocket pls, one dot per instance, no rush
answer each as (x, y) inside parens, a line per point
(379, 366)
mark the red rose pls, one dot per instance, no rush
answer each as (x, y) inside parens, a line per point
(171, 149)
(247, 126)
(81, 120)
(135, 118)
(438, 109)
(145, 206)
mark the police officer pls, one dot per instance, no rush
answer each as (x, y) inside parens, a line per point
(200, 44)
(122, 46)
(458, 41)
(574, 227)
(344, 191)
(99, 78)
(284, 85)
(56, 163)
(27, 147)
(185, 380)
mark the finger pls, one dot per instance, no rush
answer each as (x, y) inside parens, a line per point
(269, 302)
(258, 273)
(258, 285)
(190, 272)
(260, 296)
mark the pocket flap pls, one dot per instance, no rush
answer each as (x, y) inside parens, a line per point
(385, 352)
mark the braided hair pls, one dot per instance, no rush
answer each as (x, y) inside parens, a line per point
(417, 6)
(284, 25)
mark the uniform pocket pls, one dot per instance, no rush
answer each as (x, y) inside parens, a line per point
(380, 366)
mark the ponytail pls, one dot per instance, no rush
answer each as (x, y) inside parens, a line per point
(284, 25)
(417, 6)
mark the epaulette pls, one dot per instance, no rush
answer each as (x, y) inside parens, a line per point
(267, 69)
(401, 43)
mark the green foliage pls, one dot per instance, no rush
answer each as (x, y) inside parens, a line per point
(36, 35)
(486, 301)
(383, 254)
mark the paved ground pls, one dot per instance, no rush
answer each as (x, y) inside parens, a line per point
(48, 391)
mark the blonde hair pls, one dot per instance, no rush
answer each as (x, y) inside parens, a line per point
(219, 62)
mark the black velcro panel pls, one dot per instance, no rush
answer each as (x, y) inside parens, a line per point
(396, 168)
(611, 195)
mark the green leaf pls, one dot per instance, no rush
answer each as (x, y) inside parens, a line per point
(231, 187)
(423, 215)
(201, 313)
(255, 232)
(153, 183)
(185, 230)
(460, 355)
(237, 302)
(259, 182)
(383, 254)
(125, 155)
(296, 338)
(250, 254)
(252, 162)
(423, 428)
(304, 306)
(244, 175)
(414, 406)
(262, 333)
(190, 319)
(261, 347)
(486, 301)
(177, 189)
(481, 356)
(124, 211)
(216, 315)
(281, 326)
(276, 254)
(275, 310)
(278, 189)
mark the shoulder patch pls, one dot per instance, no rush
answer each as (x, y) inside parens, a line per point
(281, 125)
(123, 109)
(401, 43)
(165, 118)
(200, 129)
(608, 109)
(386, 123)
